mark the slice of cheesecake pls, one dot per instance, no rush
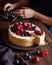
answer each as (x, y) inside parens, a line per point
(39, 37)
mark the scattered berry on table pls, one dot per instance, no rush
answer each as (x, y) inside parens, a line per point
(36, 59)
(37, 52)
(30, 57)
(44, 53)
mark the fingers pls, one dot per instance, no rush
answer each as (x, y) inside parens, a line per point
(7, 6)
(24, 7)
(20, 13)
(10, 8)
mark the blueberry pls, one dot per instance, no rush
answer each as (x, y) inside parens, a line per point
(11, 12)
(33, 28)
(26, 54)
(17, 61)
(20, 23)
(5, 17)
(7, 13)
(12, 16)
(37, 52)
(25, 34)
(30, 57)
(1, 15)
(22, 34)
(25, 63)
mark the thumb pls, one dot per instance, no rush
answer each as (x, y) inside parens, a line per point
(9, 9)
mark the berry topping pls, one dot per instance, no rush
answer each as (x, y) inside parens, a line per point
(36, 59)
(17, 32)
(22, 27)
(24, 24)
(18, 27)
(15, 27)
(21, 30)
(33, 27)
(29, 27)
(37, 32)
(42, 32)
(44, 53)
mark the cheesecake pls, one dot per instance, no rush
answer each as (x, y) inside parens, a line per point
(25, 34)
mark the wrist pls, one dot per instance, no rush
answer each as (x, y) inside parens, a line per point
(35, 14)
(38, 16)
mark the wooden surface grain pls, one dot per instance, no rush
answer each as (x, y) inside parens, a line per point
(47, 60)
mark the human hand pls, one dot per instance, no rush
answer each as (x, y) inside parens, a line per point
(25, 12)
(8, 7)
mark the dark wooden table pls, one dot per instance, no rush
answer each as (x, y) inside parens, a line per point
(47, 60)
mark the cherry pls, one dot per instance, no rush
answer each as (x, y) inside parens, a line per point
(18, 27)
(42, 32)
(24, 23)
(15, 27)
(37, 32)
(36, 59)
(17, 32)
(44, 53)
(15, 24)
(21, 30)
(29, 26)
